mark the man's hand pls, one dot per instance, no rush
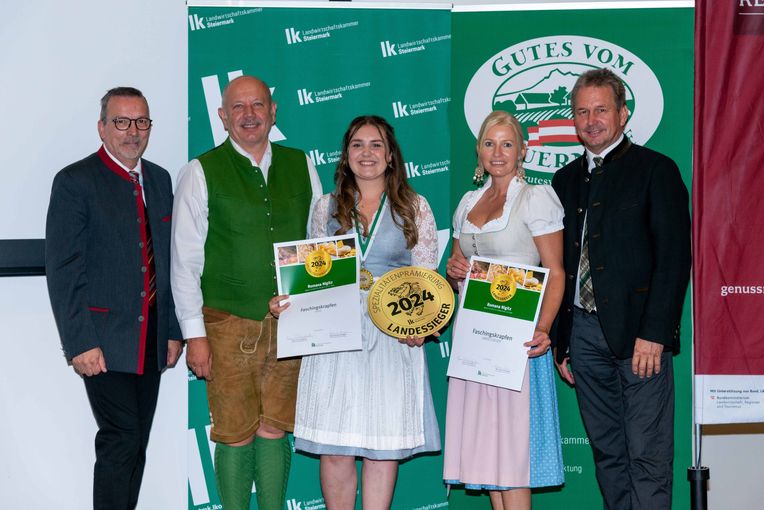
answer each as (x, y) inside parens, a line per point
(275, 306)
(647, 358)
(89, 363)
(174, 348)
(564, 368)
(199, 357)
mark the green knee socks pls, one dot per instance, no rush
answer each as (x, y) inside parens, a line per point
(272, 472)
(234, 472)
(237, 466)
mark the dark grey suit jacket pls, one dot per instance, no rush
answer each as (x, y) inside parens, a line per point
(639, 246)
(94, 259)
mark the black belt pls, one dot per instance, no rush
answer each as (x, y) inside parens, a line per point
(583, 310)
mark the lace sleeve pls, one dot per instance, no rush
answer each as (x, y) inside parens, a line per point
(425, 253)
(319, 217)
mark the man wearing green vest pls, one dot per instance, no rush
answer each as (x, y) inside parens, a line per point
(231, 204)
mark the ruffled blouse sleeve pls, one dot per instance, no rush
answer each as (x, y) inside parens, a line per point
(542, 210)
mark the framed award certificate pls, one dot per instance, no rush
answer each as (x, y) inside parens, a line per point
(321, 278)
(498, 312)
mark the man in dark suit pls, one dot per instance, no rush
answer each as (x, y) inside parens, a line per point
(108, 270)
(627, 261)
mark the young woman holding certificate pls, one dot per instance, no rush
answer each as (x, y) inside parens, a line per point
(374, 403)
(500, 440)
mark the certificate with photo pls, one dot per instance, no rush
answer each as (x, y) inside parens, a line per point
(498, 312)
(321, 278)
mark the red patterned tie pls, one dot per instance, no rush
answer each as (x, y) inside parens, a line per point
(149, 248)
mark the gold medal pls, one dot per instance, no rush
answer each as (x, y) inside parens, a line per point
(410, 301)
(365, 279)
(318, 263)
(503, 287)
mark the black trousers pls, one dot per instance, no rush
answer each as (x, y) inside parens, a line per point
(629, 421)
(123, 405)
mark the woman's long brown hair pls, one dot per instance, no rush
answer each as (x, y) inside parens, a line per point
(404, 201)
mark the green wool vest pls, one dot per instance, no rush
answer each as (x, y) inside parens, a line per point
(246, 216)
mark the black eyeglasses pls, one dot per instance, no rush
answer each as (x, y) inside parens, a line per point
(123, 123)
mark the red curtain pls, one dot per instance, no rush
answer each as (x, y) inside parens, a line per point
(728, 188)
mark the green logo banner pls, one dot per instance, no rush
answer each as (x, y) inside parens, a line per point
(531, 70)
(326, 65)
(528, 67)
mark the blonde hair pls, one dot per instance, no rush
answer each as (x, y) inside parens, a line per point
(500, 118)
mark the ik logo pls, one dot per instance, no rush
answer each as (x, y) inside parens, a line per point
(293, 504)
(412, 170)
(400, 109)
(292, 35)
(318, 158)
(213, 98)
(304, 96)
(196, 22)
(388, 50)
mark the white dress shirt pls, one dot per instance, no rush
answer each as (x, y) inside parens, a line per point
(590, 162)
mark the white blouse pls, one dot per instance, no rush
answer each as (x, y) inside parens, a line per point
(541, 209)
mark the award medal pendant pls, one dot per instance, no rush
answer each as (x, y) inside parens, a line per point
(410, 301)
(365, 279)
(318, 263)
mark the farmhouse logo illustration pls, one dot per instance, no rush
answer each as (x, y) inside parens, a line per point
(533, 80)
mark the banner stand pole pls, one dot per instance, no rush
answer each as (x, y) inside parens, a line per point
(698, 477)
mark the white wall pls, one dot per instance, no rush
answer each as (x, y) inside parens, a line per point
(58, 59)
(733, 453)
